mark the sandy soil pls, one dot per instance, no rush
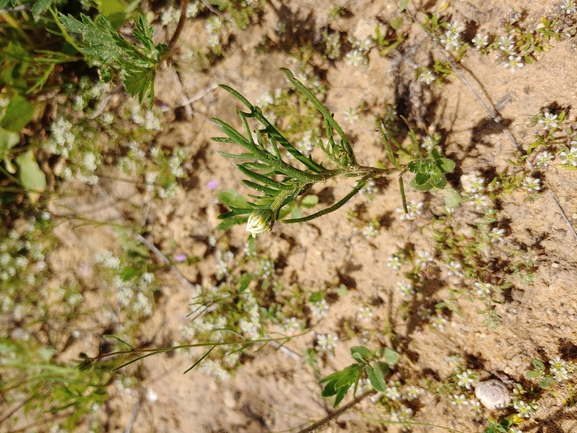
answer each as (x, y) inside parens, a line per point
(274, 390)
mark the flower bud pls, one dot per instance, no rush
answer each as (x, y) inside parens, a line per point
(260, 221)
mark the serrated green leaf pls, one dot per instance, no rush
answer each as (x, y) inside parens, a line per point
(31, 176)
(18, 113)
(139, 81)
(39, 7)
(391, 357)
(376, 378)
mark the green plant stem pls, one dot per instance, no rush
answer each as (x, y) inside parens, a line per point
(65, 34)
(320, 423)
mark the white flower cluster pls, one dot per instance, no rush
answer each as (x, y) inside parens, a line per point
(451, 40)
(415, 209)
(360, 51)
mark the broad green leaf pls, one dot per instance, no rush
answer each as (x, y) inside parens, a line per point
(546, 382)
(31, 176)
(329, 389)
(446, 165)
(438, 182)
(533, 373)
(316, 296)
(46, 353)
(340, 395)
(403, 5)
(452, 197)
(365, 354)
(391, 357)
(18, 113)
(129, 272)
(309, 201)
(110, 7)
(538, 364)
(397, 22)
(8, 140)
(376, 378)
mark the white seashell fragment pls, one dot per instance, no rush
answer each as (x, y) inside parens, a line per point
(493, 394)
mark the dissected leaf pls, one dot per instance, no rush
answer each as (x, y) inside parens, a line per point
(31, 176)
(39, 7)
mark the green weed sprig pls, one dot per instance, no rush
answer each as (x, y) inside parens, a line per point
(281, 182)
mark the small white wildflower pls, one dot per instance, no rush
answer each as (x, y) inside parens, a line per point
(423, 258)
(438, 322)
(549, 121)
(515, 62)
(371, 230)
(483, 289)
(543, 159)
(427, 77)
(479, 201)
(151, 396)
(569, 157)
(320, 308)
(480, 41)
(291, 324)
(451, 41)
(392, 392)
(559, 368)
(412, 392)
(428, 143)
(326, 343)
(354, 57)
(506, 41)
(524, 410)
(496, 235)
(396, 261)
(532, 184)
(466, 379)
(569, 7)
(365, 313)
(473, 183)
(459, 400)
(424, 312)
(414, 208)
(351, 115)
(454, 268)
(406, 288)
